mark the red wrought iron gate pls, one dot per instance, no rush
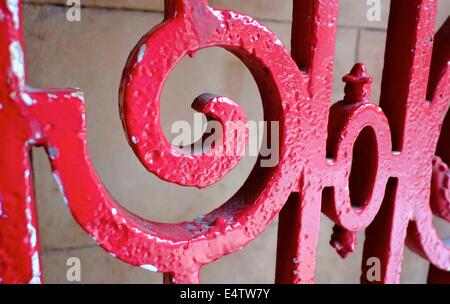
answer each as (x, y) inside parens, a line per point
(392, 198)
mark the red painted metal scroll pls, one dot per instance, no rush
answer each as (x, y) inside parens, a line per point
(381, 169)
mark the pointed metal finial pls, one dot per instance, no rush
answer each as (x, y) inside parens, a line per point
(358, 85)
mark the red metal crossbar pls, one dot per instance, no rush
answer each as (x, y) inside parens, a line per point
(381, 169)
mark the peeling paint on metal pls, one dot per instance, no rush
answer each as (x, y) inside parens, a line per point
(150, 268)
(17, 60)
(36, 269)
(13, 7)
(27, 99)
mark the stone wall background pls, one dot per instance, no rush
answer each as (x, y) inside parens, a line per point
(91, 55)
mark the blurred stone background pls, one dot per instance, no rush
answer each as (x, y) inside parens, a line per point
(91, 54)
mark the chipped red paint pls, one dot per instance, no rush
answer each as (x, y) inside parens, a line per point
(367, 167)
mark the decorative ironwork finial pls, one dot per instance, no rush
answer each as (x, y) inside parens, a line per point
(358, 85)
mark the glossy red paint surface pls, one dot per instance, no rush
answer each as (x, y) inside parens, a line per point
(367, 167)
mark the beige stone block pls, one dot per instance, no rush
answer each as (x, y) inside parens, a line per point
(331, 268)
(96, 267)
(414, 269)
(253, 264)
(259, 9)
(443, 12)
(346, 44)
(372, 44)
(143, 5)
(353, 13)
